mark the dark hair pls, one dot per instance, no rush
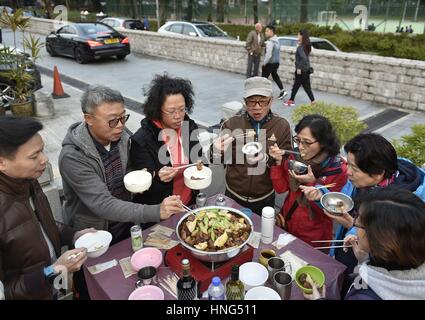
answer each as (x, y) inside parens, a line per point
(373, 153)
(163, 86)
(305, 41)
(322, 131)
(15, 132)
(271, 27)
(394, 222)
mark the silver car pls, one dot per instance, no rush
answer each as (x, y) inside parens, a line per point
(316, 43)
(194, 29)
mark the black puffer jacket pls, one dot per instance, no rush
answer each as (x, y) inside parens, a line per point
(144, 153)
(23, 249)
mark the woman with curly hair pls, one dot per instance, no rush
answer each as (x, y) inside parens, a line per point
(165, 140)
(319, 149)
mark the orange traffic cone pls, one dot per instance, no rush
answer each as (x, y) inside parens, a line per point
(57, 85)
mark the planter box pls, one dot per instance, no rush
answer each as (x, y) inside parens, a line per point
(25, 109)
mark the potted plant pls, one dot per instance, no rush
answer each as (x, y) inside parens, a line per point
(16, 66)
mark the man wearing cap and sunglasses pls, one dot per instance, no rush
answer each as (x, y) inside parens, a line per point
(93, 162)
(250, 188)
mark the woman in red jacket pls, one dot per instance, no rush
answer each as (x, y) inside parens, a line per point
(319, 149)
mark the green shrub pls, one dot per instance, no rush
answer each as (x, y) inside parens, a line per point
(344, 119)
(412, 146)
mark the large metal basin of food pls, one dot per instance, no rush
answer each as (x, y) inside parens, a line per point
(220, 255)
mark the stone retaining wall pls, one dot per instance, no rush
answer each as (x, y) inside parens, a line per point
(389, 81)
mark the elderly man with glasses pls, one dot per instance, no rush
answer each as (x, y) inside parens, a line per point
(93, 162)
(248, 178)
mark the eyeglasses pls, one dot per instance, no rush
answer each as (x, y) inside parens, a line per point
(114, 122)
(356, 224)
(298, 141)
(173, 112)
(251, 103)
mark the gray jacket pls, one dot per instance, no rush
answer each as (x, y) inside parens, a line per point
(88, 202)
(301, 59)
(272, 54)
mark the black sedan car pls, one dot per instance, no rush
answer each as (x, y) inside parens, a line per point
(87, 41)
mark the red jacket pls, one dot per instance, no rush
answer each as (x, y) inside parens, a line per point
(300, 224)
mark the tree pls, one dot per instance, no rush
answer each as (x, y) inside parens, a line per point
(255, 9)
(304, 11)
(97, 7)
(162, 12)
(178, 9)
(210, 8)
(220, 10)
(135, 11)
(189, 12)
(270, 10)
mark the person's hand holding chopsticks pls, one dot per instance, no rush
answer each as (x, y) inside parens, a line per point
(311, 193)
(166, 174)
(170, 206)
(222, 143)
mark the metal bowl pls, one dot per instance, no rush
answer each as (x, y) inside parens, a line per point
(298, 167)
(331, 202)
(221, 255)
(252, 148)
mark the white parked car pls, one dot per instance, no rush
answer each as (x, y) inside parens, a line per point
(194, 29)
(316, 43)
(123, 23)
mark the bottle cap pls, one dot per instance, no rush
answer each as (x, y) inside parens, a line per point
(268, 212)
(216, 281)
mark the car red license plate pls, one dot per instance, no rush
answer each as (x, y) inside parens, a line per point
(111, 41)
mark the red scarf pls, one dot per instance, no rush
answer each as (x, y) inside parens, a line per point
(178, 158)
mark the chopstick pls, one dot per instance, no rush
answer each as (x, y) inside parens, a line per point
(327, 241)
(331, 185)
(188, 209)
(243, 135)
(333, 247)
(290, 151)
(169, 290)
(186, 165)
(73, 256)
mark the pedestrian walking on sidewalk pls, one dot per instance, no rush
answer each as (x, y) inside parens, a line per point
(272, 59)
(254, 44)
(302, 68)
